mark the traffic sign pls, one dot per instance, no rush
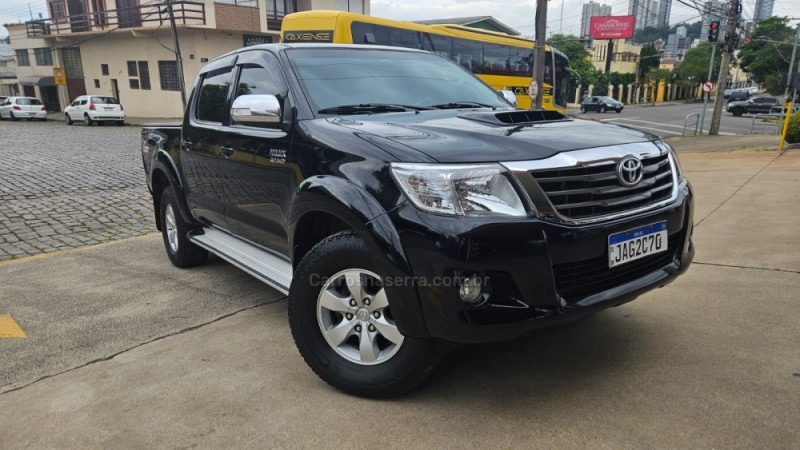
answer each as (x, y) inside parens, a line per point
(59, 76)
(708, 87)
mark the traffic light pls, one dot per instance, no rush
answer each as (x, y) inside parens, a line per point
(713, 31)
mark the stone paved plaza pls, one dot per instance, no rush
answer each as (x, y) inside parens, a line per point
(68, 186)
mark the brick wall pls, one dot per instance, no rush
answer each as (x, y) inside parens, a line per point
(233, 17)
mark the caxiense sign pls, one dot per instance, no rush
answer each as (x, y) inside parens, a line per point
(611, 27)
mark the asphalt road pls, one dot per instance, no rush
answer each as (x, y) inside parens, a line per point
(124, 350)
(668, 120)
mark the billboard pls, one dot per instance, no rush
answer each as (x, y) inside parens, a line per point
(611, 27)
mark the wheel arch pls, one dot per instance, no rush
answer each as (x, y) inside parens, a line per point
(328, 203)
(164, 173)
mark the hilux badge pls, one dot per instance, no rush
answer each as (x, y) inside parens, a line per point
(630, 171)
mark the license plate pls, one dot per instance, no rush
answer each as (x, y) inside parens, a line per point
(637, 243)
(109, 109)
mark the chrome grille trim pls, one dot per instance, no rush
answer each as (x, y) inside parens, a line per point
(548, 206)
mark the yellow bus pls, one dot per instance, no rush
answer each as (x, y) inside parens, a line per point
(500, 60)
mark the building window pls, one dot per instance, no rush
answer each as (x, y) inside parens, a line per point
(279, 8)
(134, 83)
(168, 75)
(104, 69)
(58, 11)
(253, 3)
(44, 56)
(132, 72)
(97, 83)
(23, 58)
(356, 6)
(73, 62)
(144, 75)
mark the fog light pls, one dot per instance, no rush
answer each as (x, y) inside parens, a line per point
(471, 290)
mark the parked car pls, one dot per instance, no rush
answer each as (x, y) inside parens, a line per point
(752, 90)
(2, 99)
(727, 93)
(738, 95)
(755, 105)
(28, 108)
(403, 205)
(601, 104)
(93, 109)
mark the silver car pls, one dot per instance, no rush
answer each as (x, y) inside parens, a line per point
(16, 108)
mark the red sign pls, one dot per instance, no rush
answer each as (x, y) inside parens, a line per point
(612, 27)
(708, 87)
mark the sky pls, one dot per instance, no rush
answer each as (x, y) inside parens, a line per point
(518, 14)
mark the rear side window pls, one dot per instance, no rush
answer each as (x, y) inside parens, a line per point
(212, 101)
(28, 101)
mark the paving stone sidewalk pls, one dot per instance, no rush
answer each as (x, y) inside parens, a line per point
(63, 187)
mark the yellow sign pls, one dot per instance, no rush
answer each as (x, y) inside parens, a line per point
(60, 76)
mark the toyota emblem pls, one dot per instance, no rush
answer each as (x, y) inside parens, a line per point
(630, 171)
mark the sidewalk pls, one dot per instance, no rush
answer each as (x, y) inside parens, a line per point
(721, 143)
(134, 121)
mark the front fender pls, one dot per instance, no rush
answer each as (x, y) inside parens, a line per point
(362, 212)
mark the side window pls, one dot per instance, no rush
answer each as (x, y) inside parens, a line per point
(256, 80)
(469, 54)
(213, 96)
(441, 45)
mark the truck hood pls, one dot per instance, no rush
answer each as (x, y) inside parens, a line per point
(462, 138)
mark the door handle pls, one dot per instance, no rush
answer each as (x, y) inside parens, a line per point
(227, 151)
(186, 144)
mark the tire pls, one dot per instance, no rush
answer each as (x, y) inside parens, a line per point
(175, 231)
(68, 119)
(583, 109)
(12, 116)
(619, 111)
(737, 112)
(603, 109)
(400, 363)
(87, 120)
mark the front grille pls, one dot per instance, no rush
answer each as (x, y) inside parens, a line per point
(581, 279)
(581, 192)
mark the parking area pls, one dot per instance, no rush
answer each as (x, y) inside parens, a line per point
(123, 349)
(65, 187)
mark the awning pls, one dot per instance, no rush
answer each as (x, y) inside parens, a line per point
(37, 81)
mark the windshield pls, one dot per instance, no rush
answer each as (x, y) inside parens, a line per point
(336, 77)
(28, 101)
(104, 100)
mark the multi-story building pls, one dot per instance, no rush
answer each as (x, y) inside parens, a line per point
(124, 48)
(8, 71)
(763, 10)
(677, 44)
(590, 10)
(664, 11)
(624, 59)
(645, 11)
(713, 10)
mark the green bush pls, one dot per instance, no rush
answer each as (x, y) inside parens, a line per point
(793, 133)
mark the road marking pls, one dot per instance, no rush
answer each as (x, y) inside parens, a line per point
(667, 125)
(9, 328)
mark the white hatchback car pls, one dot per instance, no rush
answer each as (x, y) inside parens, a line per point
(93, 109)
(16, 108)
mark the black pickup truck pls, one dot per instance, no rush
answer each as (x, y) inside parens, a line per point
(405, 206)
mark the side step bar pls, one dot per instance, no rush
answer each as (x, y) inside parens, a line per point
(271, 269)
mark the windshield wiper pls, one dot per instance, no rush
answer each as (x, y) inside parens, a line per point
(370, 108)
(457, 105)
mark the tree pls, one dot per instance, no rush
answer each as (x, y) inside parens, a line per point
(655, 74)
(579, 56)
(648, 58)
(765, 60)
(695, 64)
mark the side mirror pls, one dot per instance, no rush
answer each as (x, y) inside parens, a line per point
(256, 110)
(510, 96)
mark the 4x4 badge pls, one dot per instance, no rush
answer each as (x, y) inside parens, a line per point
(630, 171)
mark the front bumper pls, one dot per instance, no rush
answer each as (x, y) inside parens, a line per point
(540, 272)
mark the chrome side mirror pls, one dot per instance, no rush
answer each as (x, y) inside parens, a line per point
(510, 96)
(256, 110)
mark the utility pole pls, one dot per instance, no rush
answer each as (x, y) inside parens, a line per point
(727, 48)
(176, 44)
(705, 99)
(540, 43)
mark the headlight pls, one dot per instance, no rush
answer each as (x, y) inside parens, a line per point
(459, 190)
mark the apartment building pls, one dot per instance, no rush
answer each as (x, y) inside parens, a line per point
(590, 10)
(8, 71)
(124, 48)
